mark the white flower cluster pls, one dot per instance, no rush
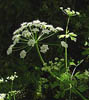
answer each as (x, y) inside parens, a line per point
(1, 80)
(31, 42)
(30, 33)
(44, 48)
(23, 54)
(16, 38)
(26, 33)
(9, 51)
(12, 77)
(69, 12)
(64, 44)
(2, 96)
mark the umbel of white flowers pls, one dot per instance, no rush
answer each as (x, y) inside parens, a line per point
(29, 34)
(44, 48)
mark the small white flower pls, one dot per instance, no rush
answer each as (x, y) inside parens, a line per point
(64, 44)
(14, 72)
(44, 48)
(61, 8)
(16, 41)
(22, 54)
(36, 21)
(45, 31)
(53, 29)
(2, 96)
(59, 28)
(15, 76)
(1, 80)
(77, 13)
(49, 26)
(16, 38)
(17, 31)
(68, 8)
(43, 23)
(35, 30)
(5, 80)
(8, 78)
(26, 33)
(24, 23)
(9, 51)
(12, 77)
(31, 42)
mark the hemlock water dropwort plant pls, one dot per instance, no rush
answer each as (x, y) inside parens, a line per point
(29, 35)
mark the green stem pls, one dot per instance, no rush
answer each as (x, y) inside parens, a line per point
(14, 96)
(66, 42)
(39, 53)
(12, 85)
(47, 37)
(9, 97)
(70, 93)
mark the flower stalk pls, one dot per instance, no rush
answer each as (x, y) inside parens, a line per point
(39, 53)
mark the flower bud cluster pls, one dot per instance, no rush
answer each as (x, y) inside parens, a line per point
(69, 12)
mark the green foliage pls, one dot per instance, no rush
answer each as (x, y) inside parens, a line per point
(66, 81)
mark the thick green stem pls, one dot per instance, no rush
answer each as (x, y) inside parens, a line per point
(39, 53)
(66, 42)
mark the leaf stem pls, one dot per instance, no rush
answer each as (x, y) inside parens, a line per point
(12, 85)
(83, 98)
(66, 42)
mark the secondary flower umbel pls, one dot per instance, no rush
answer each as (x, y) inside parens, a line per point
(69, 12)
(44, 48)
